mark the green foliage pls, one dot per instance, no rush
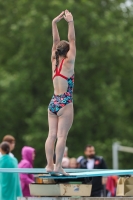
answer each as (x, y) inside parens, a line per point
(103, 74)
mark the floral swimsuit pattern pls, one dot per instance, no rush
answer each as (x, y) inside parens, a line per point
(59, 101)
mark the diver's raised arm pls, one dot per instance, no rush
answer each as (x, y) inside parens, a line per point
(71, 36)
(55, 33)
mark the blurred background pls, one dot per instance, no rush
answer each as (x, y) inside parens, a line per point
(103, 93)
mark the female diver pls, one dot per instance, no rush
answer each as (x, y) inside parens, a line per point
(60, 109)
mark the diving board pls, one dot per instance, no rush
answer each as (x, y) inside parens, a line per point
(64, 186)
(74, 173)
(90, 174)
(72, 198)
(42, 170)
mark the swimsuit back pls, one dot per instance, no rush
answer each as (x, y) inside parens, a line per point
(70, 80)
(59, 101)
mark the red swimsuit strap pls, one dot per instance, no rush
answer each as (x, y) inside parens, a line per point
(60, 68)
(57, 72)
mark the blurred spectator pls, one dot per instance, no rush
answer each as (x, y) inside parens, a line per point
(79, 161)
(28, 156)
(10, 187)
(65, 162)
(73, 163)
(65, 159)
(111, 185)
(66, 152)
(94, 162)
(11, 140)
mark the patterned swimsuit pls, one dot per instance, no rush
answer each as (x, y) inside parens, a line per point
(59, 101)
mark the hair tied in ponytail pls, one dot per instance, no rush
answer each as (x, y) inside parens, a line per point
(57, 58)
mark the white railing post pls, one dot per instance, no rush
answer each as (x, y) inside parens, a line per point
(115, 148)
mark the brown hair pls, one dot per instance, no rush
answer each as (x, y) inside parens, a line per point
(62, 49)
(8, 138)
(88, 146)
(5, 147)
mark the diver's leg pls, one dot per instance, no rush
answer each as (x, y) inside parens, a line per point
(64, 124)
(50, 142)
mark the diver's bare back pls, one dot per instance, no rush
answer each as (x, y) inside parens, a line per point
(60, 84)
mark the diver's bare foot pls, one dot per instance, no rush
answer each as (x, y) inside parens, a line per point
(60, 171)
(49, 168)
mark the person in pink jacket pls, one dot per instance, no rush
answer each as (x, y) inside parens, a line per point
(28, 156)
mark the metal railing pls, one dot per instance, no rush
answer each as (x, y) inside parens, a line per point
(116, 147)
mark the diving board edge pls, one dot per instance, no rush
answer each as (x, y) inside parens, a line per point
(79, 174)
(80, 198)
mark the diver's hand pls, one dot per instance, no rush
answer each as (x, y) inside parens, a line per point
(68, 16)
(59, 17)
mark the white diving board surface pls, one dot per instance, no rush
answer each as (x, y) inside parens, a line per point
(74, 173)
